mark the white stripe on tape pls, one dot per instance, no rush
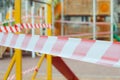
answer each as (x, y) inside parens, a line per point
(1, 36)
(19, 41)
(97, 50)
(14, 30)
(3, 29)
(8, 29)
(32, 43)
(49, 44)
(68, 48)
(8, 40)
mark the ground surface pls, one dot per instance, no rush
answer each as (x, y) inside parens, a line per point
(84, 71)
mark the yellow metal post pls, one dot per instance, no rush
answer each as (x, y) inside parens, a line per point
(9, 68)
(18, 56)
(18, 53)
(49, 57)
(49, 67)
(38, 66)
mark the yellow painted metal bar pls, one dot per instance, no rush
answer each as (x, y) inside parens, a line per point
(18, 56)
(38, 66)
(49, 32)
(18, 53)
(49, 67)
(18, 11)
(49, 18)
(49, 57)
(9, 68)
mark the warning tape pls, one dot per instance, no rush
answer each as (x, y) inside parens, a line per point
(94, 51)
(23, 73)
(10, 29)
(29, 26)
(19, 27)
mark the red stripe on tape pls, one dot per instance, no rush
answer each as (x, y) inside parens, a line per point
(82, 49)
(22, 26)
(113, 53)
(40, 25)
(26, 41)
(35, 25)
(27, 26)
(6, 29)
(32, 26)
(14, 39)
(16, 28)
(59, 45)
(40, 43)
(11, 29)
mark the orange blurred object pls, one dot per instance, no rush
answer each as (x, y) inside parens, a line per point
(57, 17)
(8, 14)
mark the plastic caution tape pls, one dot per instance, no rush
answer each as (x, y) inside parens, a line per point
(10, 29)
(93, 51)
(19, 27)
(29, 26)
(23, 73)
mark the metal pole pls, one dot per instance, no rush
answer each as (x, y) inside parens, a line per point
(18, 52)
(45, 17)
(18, 55)
(26, 9)
(10, 19)
(41, 20)
(53, 17)
(9, 68)
(112, 18)
(62, 17)
(38, 66)
(49, 57)
(33, 20)
(0, 16)
(94, 19)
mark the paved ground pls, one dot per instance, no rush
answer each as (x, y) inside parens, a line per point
(84, 71)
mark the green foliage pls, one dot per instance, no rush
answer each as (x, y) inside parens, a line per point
(6, 23)
(116, 36)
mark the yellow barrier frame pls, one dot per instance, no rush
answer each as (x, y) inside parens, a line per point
(48, 57)
(49, 32)
(17, 58)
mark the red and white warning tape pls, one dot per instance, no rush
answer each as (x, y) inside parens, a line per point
(10, 29)
(23, 73)
(29, 26)
(94, 51)
(19, 27)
